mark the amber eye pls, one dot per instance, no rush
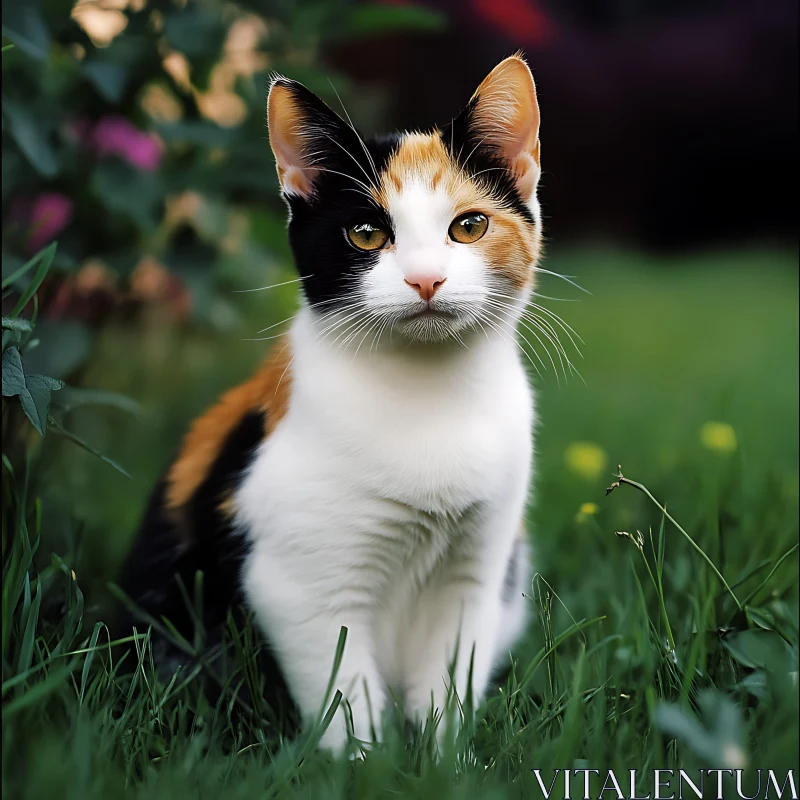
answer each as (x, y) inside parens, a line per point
(468, 228)
(367, 237)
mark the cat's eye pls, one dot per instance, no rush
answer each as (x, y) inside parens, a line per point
(468, 228)
(367, 237)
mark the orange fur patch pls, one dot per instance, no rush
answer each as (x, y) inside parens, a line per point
(268, 390)
(510, 245)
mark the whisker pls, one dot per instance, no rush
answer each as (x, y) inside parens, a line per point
(322, 334)
(358, 135)
(344, 175)
(557, 299)
(568, 329)
(289, 319)
(526, 314)
(354, 159)
(273, 286)
(566, 278)
(533, 349)
(514, 343)
(547, 330)
(374, 323)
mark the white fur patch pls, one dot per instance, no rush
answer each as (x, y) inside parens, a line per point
(388, 500)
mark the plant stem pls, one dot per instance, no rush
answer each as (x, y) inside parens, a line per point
(642, 488)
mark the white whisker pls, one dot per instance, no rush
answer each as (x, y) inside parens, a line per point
(567, 278)
(358, 135)
(273, 286)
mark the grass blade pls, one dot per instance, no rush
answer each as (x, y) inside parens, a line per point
(45, 259)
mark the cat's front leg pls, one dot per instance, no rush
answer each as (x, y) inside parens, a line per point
(457, 622)
(451, 645)
(302, 620)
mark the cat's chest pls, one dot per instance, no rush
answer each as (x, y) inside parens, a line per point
(438, 443)
(382, 468)
(394, 447)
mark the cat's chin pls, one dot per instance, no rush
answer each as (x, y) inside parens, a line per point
(433, 327)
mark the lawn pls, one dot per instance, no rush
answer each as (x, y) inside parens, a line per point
(638, 656)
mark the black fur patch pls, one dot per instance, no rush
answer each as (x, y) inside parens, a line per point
(162, 558)
(349, 165)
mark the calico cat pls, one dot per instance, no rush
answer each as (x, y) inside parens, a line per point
(373, 473)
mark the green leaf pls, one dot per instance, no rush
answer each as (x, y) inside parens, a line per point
(109, 79)
(32, 136)
(13, 376)
(24, 24)
(32, 390)
(19, 324)
(40, 387)
(758, 649)
(760, 617)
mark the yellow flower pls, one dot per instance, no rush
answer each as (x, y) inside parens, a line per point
(586, 459)
(585, 511)
(718, 436)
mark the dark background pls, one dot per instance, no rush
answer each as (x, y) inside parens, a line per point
(669, 124)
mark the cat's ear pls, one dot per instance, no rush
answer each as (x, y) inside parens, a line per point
(302, 132)
(504, 116)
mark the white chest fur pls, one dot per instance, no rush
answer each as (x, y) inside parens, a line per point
(387, 470)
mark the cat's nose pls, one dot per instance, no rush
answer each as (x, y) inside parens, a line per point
(425, 286)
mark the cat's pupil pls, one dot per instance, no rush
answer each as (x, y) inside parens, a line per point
(365, 230)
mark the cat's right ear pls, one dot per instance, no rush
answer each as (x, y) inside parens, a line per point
(503, 115)
(302, 130)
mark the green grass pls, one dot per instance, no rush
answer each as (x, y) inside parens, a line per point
(637, 656)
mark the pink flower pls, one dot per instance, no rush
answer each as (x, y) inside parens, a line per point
(115, 135)
(48, 214)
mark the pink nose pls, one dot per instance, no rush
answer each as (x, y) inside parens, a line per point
(425, 286)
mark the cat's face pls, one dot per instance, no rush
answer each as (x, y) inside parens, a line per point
(431, 236)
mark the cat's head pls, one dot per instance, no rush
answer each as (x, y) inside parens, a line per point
(428, 235)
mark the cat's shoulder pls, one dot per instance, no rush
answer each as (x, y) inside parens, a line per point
(231, 428)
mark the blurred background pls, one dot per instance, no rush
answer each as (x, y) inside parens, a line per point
(134, 135)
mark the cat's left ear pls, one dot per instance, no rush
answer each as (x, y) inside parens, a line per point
(304, 134)
(504, 116)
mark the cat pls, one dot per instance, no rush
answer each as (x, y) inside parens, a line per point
(373, 474)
